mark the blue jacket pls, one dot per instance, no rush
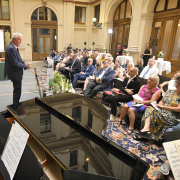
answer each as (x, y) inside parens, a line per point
(56, 57)
(107, 79)
(89, 71)
(13, 64)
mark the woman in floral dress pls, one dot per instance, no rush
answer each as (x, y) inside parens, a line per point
(155, 122)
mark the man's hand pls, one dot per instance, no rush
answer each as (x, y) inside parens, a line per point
(27, 64)
(81, 72)
(129, 91)
(68, 69)
(97, 79)
(115, 89)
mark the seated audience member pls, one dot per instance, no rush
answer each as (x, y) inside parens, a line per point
(83, 75)
(155, 122)
(62, 63)
(171, 83)
(117, 66)
(140, 65)
(131, 86)
(111, 63)
(83, 57)
(80, 55)
(67, 63)
(96, 53)
(127, 63)
(149, 93)
(110, 55)
(126, 71)
(73, 69)
(103, 58)
(51, 52)
(63, 53)
(103, 81)
(56, 55)
(90, 79)
(151, 69)
(93, 56)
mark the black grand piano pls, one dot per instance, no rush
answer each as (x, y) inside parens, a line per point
(68, 137)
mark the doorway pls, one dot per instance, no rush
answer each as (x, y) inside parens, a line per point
(44, 33)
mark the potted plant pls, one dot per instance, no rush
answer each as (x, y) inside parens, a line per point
(91, 48)
(160, 56)
(125, 52)
(104, 49)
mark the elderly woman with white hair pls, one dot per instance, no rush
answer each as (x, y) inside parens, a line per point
(149, 93)
(139, 65)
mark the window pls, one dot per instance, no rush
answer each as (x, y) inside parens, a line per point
(80, 14)
(90, 118)
(43, 14)
(164, 5)
(97, 12)
(7, 35)
(73, 158)
(4, 9)
(123, 11)
(45, 123)
(76, 113)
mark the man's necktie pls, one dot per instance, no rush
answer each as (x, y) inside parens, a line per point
(146, 73)
(18, 50)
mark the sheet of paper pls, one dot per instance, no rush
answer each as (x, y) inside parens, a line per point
(14, 148)
(154, 105)
(136, 96)
(137, 105)
(177, 145)
(173, 158)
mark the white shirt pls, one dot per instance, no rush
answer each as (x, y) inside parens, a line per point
(15, 46)
(152, 71)
(102, 74)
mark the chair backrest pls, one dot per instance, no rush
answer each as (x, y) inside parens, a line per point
(163, 79)
(142, 81)
(118, 84)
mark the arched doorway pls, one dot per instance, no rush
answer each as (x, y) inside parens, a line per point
(121, 25)
(165, 35)
(44, 32)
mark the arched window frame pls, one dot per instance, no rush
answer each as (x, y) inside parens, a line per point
(37, 9)
(166, 5)
(124, 11)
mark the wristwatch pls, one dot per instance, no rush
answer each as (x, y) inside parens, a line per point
(139, 101)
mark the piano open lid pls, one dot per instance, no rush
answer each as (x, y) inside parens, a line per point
(72, 128)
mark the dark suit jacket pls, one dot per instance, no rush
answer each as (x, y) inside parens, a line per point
(119, 51)
(69, 62)
(89, 71)
(134, 84)
(107, 79)
(76, 66)
(13, 64)
(140, 68)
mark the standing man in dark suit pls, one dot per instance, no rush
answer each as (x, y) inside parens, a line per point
(14, 66)
(119, 51)
(103, 81)
(131, 85)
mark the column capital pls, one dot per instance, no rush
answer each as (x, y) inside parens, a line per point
(147, 15)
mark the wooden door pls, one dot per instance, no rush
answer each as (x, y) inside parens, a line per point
(164, 37)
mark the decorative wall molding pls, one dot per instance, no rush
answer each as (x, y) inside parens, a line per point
(133, 49)
(147, 16)
(82, 3)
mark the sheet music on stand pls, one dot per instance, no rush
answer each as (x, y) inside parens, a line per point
(14, 148)
(172, 149)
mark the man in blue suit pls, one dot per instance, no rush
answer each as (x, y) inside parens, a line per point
(103, 81)
(14, 66)
(74, 68)
(85, 73)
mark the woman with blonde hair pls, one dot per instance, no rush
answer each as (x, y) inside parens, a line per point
(149, 93)
(98, 66)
